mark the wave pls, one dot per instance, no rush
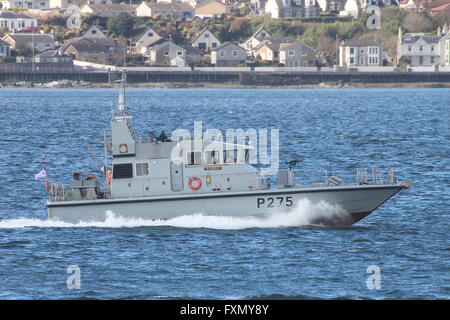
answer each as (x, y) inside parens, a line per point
(303, 214)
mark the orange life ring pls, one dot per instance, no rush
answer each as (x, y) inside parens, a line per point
(197, 186)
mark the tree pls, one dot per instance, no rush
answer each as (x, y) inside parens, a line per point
(121, 25)
(415, 22)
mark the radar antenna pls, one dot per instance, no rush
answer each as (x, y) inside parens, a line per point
(292, 163)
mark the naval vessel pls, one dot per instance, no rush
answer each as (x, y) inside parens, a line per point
(145, 181)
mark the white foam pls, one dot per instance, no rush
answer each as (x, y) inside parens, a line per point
(304, 213)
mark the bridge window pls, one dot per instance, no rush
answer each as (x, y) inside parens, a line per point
(194, 158)
(142, 169)
(123, 171)
(212, 157)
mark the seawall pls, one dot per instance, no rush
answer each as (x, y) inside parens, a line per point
(244, 78)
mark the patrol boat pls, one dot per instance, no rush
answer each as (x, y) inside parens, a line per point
(146, 181)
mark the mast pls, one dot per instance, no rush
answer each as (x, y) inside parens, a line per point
(121, 106)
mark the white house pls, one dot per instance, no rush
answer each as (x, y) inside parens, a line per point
(360, 53)
(421, 49)
(107, 10)
(25, 4)
(444, 46)
(144, 39)
(352, 8)
(205, 41)
(165, 9)
(62, 4)
(292, 8)
(16, 21)
(331, 5)
(260, 35)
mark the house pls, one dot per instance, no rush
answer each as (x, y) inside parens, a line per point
(420, 49)
(94, 49)
(53, 56)
(64, 4)
(146, 38)
(41, 41)
(211, 9)
(107, 10)
(269, 49)
(4, 49)
(297, 54)
(16, 21)
(205, 41)
(94, 32)
(256, 6)
(444, 46)
(407, 4)
(164, 54)
(331, 5)
(165, 9)
(228, 55)
(351, 8)
(260, 35)
(25, 4)
(360, 53)
(145, 48)
(438, 6)
(292, 8)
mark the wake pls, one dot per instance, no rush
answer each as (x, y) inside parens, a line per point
(304, 213)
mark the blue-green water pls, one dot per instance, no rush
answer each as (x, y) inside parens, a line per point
(334, 130)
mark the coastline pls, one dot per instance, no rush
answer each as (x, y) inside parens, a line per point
(66, 84)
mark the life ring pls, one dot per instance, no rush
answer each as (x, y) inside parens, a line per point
(198, 183)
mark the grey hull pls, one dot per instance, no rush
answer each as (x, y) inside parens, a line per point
(356, 201)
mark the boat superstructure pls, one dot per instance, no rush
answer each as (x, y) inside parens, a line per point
(160, 179)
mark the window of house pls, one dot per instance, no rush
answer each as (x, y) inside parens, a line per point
(179, 53)
(150, 34)
(166, 53)
(222, 53)
(432, 48)
(93, 31)
(352, 60)
(214, 44)
(421, 48)
(142, 169)
(420, 60)
(304, 52)
(291, 53)
(432, 59)
(352, 50)
(206, 35)
(409, 48)
(234, 53)
(263, 34)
